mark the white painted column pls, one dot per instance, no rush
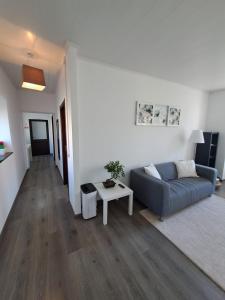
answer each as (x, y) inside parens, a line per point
(72, 110)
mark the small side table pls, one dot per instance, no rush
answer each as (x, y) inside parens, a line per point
(109, 194)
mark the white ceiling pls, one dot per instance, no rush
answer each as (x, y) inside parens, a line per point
(178, 40)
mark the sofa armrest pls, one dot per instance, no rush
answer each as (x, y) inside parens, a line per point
(208, 173)
(151, 191)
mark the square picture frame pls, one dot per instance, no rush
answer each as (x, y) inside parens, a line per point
(160, 115)
(144, 113)
(174, 116)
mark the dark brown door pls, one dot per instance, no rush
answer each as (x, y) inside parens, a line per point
(64, 142)
(39, 136)
(53, 137)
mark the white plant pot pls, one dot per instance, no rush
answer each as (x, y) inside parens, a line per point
(2, 152)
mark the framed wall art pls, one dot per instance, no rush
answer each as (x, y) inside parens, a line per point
(160, 113)
(151, 114)
(144, 114)
(157, 114)
(174, 114)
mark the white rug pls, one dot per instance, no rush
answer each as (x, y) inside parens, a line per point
(199, 232)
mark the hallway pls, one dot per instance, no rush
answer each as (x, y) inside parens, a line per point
(47, 253)
(37, 232)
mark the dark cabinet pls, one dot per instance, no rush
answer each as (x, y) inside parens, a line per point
(206, 153)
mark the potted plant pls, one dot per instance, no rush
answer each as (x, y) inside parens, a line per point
(116, 169)
(2, 148)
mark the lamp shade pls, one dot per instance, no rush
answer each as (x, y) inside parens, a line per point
(33, 78)
(197, 137)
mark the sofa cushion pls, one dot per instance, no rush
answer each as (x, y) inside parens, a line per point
(186, 168)
(152, 171)
(186, 191)
(168, 171)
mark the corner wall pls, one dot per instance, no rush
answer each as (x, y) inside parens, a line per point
(101, 105)
(67, 90)
(38, 102)
(39, 116)
(216, 122)
(107, 100)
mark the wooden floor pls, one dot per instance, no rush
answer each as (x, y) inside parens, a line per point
(47, 253)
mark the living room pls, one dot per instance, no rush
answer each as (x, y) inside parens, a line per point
(135, 94)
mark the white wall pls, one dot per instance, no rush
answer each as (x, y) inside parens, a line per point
(60, 97)
(67, 90)
(12, 170)
(107, 97)
(39, 102)
(72, 102)
(216, 122)
(4, 124)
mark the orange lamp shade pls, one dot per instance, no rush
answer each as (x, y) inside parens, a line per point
(33, 78)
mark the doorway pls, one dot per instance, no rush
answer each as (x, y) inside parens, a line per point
(64, 142)
(39, 136)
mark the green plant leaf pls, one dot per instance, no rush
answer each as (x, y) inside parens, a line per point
(115, 168)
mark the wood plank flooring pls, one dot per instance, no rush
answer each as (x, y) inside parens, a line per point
(48, 253)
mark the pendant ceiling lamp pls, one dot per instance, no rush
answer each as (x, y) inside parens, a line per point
(33, 78)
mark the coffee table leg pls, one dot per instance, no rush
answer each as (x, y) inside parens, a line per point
(130, 208)
(105, 212)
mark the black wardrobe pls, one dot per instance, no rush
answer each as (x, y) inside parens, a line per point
(206, 153)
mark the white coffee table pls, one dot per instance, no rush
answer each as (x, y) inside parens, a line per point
(114, 193)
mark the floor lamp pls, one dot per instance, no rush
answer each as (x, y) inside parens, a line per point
(197, 137)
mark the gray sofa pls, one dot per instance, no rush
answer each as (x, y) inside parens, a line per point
(169, 195)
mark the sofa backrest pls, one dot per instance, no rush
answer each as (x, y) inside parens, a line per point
(168, 171)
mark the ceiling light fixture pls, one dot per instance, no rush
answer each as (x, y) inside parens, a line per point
(30, 36)
(33, 78)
